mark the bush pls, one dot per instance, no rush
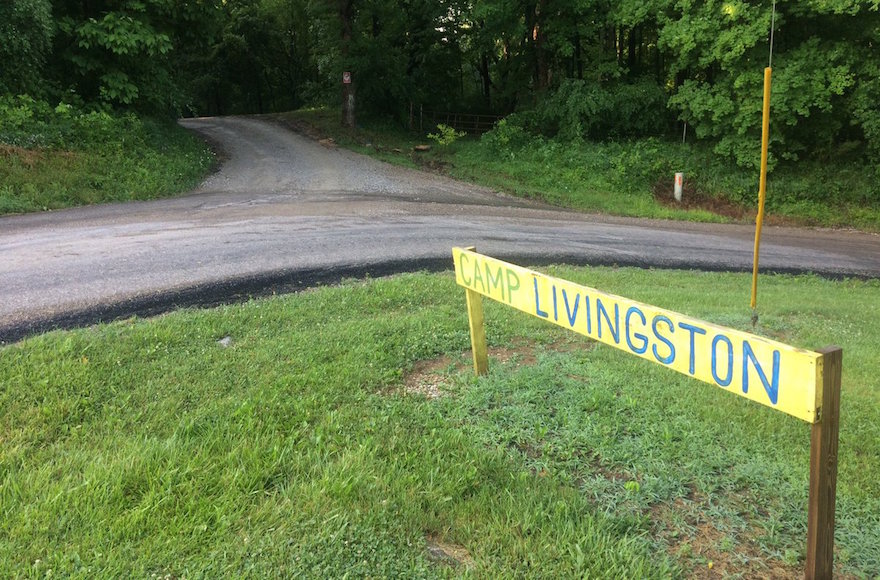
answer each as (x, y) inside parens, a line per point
(508, 135)
(581, 109)
(445, 135)
(29, 123)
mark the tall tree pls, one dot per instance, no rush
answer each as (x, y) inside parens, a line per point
(346, 25)
(25, 41)
(121, 52)
(824, 69)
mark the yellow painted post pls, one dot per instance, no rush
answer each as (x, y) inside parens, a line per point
(762, 187)
(479, 348)
(478, 332)
(823, 471)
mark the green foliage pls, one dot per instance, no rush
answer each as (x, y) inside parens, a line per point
(508, 135)
(581, 109)
(124, 54)
(824, 68)
(29, 123)
(55, 157)
(631, 177)
(581, 70)
(26, 32)
(445, 135)
(591, 71)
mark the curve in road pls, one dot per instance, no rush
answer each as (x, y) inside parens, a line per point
(285, 212)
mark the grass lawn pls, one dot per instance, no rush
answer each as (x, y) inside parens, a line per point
(627, 178)
(311, 441)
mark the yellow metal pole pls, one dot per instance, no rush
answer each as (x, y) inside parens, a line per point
(762, 187)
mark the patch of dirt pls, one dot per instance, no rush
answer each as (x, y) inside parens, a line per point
(744, 558)
(702, 552)
(521, 355)
(299, 126)
(433, 165)
(693, 198)
(446, 553)
(430, 378)
(696, 199)
(427, 377)
(28, 157)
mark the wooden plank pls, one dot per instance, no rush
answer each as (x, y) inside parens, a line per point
(768, 372)
(478, 332)
(823, 470)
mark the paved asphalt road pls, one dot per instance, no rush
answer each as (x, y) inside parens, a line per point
(285, 212)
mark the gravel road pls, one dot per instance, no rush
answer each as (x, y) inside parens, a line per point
(285, 212)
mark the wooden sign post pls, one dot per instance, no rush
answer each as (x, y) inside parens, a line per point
(802, 383)
(479, 348)
(823, 470)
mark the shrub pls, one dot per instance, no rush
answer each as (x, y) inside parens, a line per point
(445, 135)
(581, 109)
(509, 134)
(29, 123)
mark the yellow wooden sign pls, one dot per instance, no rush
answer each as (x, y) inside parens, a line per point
(785, 378)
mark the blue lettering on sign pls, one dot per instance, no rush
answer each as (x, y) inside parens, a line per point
(589, 317)
(644, 347)
(600, 312)
(671, 356)
(726, 380)
(555, 305)
(771, 386)
(571, 313)
(538, 311)
(694, 330)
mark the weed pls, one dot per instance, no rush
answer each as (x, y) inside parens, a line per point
(445, 135)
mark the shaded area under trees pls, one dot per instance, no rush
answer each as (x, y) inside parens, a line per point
(571, 69)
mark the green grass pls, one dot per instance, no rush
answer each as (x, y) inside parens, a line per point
(145, 447)
(622, 178)
(160, 160)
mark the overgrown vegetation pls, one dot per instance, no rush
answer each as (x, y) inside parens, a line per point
(148, 447)
(56, 157)
(629, 177)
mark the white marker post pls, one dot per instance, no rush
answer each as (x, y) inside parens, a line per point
(679, 183)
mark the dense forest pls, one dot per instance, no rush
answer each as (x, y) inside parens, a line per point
(568, 69)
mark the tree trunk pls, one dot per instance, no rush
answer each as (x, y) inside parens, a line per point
(542, 70)
(631, 56)
(487, 80)
(346, 18)
(257, 84)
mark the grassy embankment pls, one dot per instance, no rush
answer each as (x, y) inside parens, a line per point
(628, 178)
(146, 448)
(58, 158)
